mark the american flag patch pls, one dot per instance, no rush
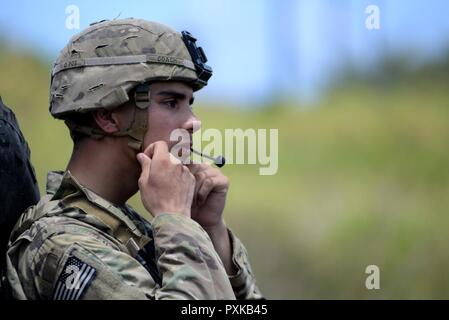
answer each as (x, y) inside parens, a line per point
(74, 280)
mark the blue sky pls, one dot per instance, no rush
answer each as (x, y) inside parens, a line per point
(255, 46)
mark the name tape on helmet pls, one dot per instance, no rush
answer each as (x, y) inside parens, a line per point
(105, 61)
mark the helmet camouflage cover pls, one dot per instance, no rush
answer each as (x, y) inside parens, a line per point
(99, 66)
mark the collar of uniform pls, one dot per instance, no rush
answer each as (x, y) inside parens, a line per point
(54, 179)
(61, 185)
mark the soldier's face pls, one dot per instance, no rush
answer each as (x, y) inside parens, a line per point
(170, 109)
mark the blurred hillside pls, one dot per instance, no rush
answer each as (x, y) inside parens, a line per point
(363, 179)
(405, 71)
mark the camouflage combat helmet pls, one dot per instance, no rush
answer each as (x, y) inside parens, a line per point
(99, 67)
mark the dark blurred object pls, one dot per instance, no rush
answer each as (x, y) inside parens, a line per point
(18, 185)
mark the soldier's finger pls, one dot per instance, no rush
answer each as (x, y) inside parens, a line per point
(159, 151)
(149, 150)
(214, 183)
(174, 160)
(201, 171)
(197, 167)
(205, 189)
(145, 163)
(199, 180)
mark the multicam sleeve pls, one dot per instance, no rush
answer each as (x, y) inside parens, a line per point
(190, 266)
(244, 282)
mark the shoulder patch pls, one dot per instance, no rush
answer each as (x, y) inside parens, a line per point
(74, 280)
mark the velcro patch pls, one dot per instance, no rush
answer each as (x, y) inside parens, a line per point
(74, 280)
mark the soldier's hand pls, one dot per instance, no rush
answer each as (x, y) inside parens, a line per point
(165, 184)
(211, 188)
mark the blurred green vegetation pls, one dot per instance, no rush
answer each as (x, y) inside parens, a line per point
(363, 179)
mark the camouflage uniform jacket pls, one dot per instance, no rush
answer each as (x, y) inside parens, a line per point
(58, 251)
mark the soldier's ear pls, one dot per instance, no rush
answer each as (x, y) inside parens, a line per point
(106, 120)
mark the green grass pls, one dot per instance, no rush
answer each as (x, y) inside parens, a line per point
(363, 179)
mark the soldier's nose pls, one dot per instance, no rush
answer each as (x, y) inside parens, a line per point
(192, 125)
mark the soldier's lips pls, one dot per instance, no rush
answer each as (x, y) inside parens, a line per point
(186, 144)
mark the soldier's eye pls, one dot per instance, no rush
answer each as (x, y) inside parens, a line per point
(172, 104)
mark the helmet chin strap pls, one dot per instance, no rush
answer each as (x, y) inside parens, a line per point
(136, 130)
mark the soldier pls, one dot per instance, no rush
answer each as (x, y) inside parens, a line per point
(122, 87)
